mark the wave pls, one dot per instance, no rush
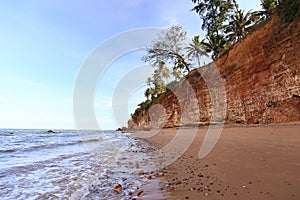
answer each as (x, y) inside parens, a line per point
(51, 145)
(7, 150)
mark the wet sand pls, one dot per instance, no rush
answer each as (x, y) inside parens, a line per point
(257, 162)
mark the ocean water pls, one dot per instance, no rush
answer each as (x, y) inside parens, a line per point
(35, 164)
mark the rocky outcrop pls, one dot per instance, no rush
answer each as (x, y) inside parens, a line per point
(261, 77)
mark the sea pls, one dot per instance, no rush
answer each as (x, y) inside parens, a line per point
(70, 164)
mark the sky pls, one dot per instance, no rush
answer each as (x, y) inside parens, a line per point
(45, 43)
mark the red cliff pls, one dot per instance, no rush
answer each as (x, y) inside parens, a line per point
(261, 76)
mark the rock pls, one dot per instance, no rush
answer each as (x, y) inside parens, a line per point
(117, 188)
(122, 129)
(137, 164)
(141, 172)
(177, 182)
(50, 131)
(140, 193)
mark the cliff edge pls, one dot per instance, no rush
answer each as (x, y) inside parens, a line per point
(261, 76)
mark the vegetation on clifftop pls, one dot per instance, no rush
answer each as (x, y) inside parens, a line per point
(224, 24)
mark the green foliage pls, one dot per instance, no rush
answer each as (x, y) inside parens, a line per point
(168, 48)
(269, 7)
(142, 106)
(225, 24)
(217, 45)
(289, 10)
(214, 14)
(157, 81)
(148, 93)
(239, 24)
(196, 49)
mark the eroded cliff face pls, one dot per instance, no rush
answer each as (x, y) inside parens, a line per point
(261, 79)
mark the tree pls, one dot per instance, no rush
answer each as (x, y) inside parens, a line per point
(176, 74)
(164, 71)
(269, 7)
(214, 14)
(157, 83)
(147, 93)
(239, 24)
(217, 45)
(168, 48)
(224, 23)
(196, 49)
(289, 9)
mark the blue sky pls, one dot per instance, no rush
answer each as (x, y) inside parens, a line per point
(43, 44)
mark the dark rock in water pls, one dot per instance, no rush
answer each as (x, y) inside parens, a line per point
(122, 129)
(50, 131)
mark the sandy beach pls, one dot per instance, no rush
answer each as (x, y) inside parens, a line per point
(248, 162)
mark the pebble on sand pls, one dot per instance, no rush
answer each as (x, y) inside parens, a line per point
(118, 188)
(140, 193)
(141, 172)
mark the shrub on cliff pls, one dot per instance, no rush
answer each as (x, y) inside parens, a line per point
(288, 10)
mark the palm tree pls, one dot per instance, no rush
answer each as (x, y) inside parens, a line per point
(163, 70)
(218, 45)
(239, 25)
(269, 6)
(196, 49)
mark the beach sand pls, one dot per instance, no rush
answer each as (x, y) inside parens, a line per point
(248, 162)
